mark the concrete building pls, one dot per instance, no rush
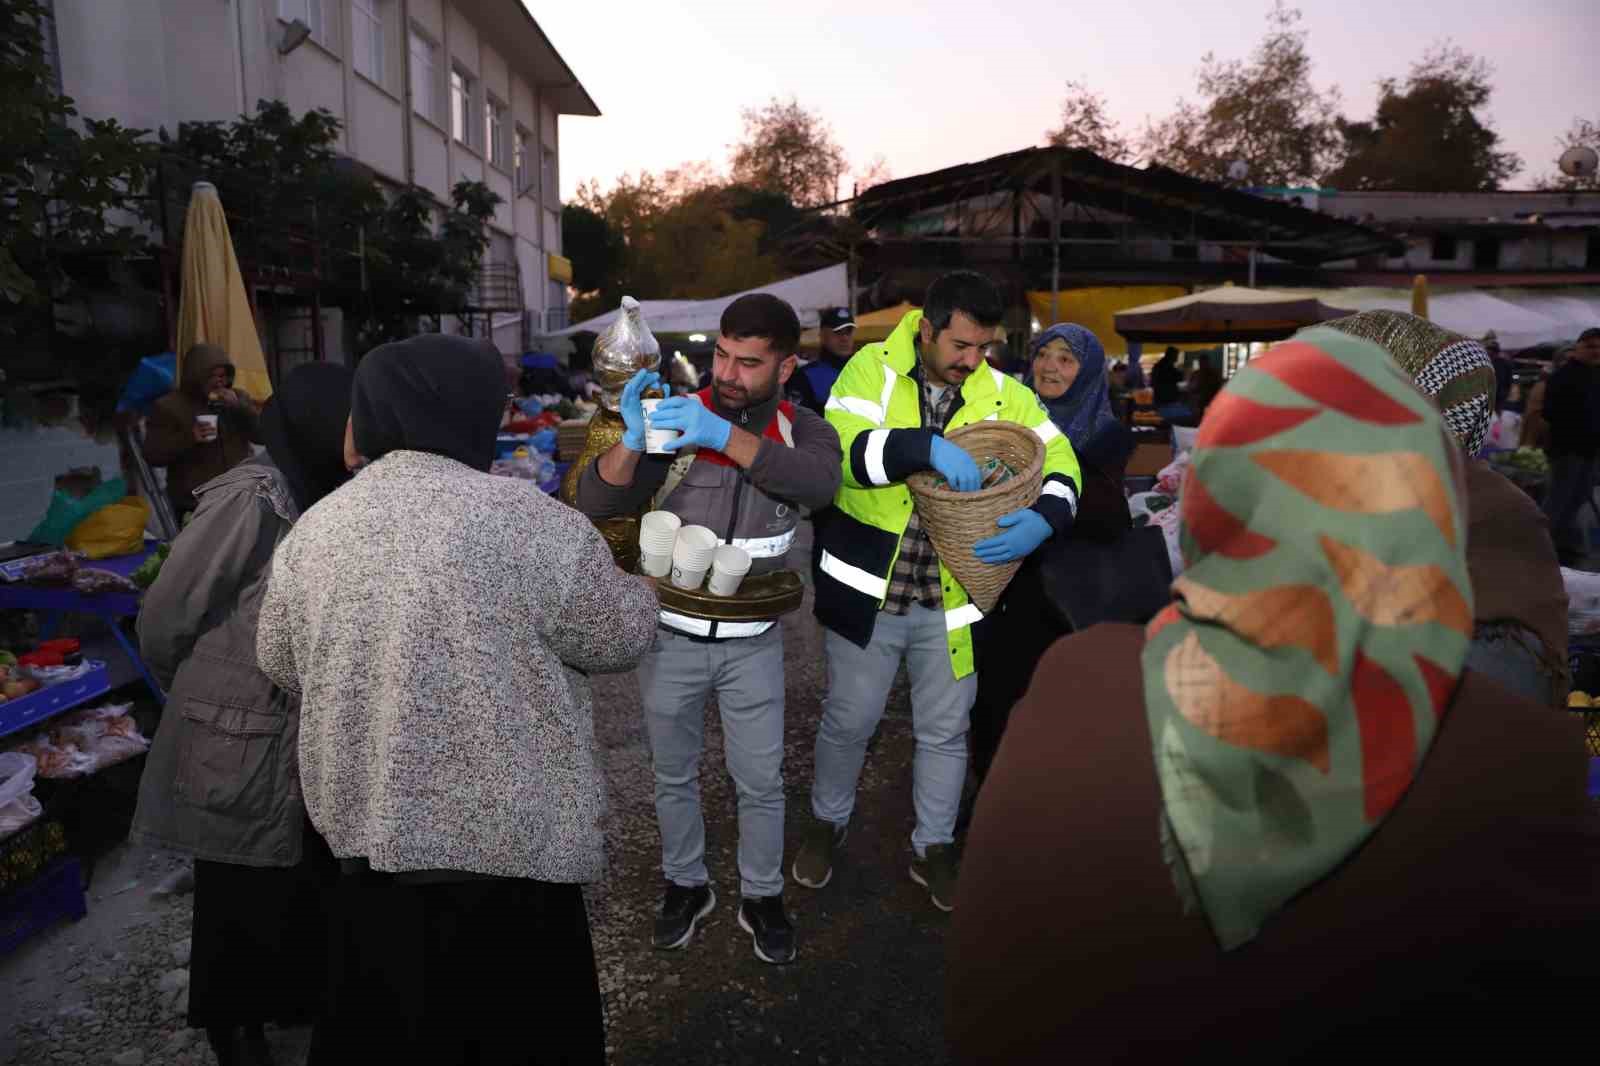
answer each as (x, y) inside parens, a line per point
(428, 92)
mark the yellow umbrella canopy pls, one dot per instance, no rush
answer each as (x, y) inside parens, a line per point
(212, 306)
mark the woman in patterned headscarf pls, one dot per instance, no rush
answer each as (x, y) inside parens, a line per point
(1325, 834)
(1520, 612)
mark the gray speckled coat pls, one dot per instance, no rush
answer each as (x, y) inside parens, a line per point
(221, 780)
(439, 623)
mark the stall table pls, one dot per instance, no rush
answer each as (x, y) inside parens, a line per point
(54, 601)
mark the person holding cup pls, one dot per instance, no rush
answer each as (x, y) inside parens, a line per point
(202, 428)
(742, 462)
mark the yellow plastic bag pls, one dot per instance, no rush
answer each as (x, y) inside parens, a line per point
(115, 529)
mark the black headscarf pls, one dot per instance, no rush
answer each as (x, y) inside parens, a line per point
(302, 426)
(430, 393)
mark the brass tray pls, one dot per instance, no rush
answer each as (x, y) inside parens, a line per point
(761, 598)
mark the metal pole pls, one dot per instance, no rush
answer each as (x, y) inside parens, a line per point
(1055, 238)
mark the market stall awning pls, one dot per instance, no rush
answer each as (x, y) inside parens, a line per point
(807, 294)
(1229, 313)
(1520, 317)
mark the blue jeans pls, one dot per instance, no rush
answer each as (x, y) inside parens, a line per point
(858, 686)
(676, 678)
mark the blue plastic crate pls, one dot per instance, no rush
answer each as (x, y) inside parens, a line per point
(36, 707)
(55, 894)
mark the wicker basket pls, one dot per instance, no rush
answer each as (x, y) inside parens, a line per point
(955, 521)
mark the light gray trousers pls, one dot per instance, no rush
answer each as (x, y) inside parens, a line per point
(941, 707)
(676, 678)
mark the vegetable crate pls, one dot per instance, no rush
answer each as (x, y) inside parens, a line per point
(37, 706)
(55, 894)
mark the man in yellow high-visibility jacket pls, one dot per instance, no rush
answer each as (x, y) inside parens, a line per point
(882, 593)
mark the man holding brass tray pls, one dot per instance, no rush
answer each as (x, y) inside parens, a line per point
(732, 464)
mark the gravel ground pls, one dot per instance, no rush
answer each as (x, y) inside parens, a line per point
(112, 989)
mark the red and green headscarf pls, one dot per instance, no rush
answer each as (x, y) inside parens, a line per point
(1319, 627)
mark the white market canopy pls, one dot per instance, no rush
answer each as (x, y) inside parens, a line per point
(807, 294)
(1520, 318)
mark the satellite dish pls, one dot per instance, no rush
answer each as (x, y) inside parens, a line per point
(1579, 161)
(1238, 170)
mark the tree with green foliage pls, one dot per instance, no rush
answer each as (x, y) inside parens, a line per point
(789, 150)
(68, 183)
(294, 204)
(1264, 112)
(1085, 123)
(1429, 133)
(592, 246)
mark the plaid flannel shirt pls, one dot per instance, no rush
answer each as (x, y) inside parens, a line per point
(915, 577)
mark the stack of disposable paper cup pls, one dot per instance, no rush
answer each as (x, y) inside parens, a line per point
(655, 440)
(658, 532)
(691, 557)
(729, 564)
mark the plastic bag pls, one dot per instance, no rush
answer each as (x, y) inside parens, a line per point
(16, 775)
(152, 379)
(105, 735)
(115, 529)
(19, 814)
(1170, 479)
(67, 511)
(57, 760)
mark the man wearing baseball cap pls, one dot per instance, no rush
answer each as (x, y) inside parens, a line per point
(814, 382)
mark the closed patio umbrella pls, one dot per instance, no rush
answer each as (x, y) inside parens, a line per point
(212, 305)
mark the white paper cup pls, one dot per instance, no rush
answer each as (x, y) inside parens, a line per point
(655, 440)
(686, 579)
(658, 534)
(729, 565)
(694, 548)
(654, 565)
(210, 424)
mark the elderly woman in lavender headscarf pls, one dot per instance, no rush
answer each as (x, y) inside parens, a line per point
(1068, 370)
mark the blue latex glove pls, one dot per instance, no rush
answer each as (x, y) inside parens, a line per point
(544, 441)
(1024, 530)
(632, 410)
(955, 464)
(697, 425)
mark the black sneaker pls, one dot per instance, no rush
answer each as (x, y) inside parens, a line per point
(680, 910)
(769, 927)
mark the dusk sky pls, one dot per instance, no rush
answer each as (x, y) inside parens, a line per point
(934, 83)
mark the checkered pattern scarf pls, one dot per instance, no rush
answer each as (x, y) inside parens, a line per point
(1455, 371)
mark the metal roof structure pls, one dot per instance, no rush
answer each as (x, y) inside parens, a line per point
(1079, 189)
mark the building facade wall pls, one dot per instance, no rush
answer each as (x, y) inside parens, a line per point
(213, 59)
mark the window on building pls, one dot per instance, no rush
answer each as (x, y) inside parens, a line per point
(366, 37)
(519, 156)
(463, 91)
(424, 77)
(494, 131)
(1486, 253)
(1444, 248)
(552, 231)
(547, 172)
(310, 12)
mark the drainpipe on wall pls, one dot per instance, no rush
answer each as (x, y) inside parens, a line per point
(238, 49)
(406, 121)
